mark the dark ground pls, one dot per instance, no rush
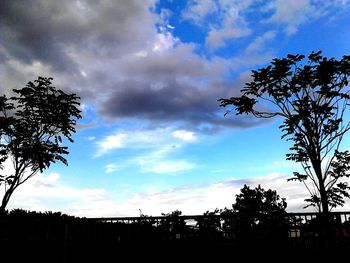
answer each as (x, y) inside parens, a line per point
(173, 251)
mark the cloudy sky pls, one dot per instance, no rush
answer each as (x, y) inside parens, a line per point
(149, 73)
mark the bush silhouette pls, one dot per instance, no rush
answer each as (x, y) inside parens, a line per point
(256, 215)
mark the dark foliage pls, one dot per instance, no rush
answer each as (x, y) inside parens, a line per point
(56, 237)
(257, 214)
(312, 98)
(33, 125)
(172, 226)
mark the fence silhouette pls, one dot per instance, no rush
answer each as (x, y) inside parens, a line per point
(184, 226)
(296, 225)
(70, 239)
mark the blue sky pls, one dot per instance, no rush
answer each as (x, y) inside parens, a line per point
(149, 74)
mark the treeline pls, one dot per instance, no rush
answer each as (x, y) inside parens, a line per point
(256, 222)
(56, 237)
(256, 213)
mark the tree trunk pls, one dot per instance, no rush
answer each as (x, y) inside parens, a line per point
(324, 198)
(5, 200)
(324, 213)
(2, 210)
(3, 206)
(325, 228)
(323, 194)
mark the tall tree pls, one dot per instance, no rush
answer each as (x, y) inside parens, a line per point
(312, 98)
(33, 124)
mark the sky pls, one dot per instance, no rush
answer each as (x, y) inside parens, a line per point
(153, 138)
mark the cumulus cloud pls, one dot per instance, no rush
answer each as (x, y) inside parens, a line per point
(184, 135)
(46, 192)
(259, 42)
(111, 142)
(167, 167)
(171, 100)
(161, 161)
(130, 68)
(217, 37)
(124, 61)
(154, 151)
(132, 139)
(293, 13)
(226, 18)
(49, 193)
(127, 68)
(198, 10)
(196, 199)
(49, 31)
(64, 39)
(123, 58)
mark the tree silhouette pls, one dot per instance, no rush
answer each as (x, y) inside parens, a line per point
(312, 99)
(256, 213)
(33, 124)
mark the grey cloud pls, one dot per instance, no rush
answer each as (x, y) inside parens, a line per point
(60, 38)
(174, 86)
(173, 102)
(49, 30)
(103, 51)
(179, 62)
(29, 35)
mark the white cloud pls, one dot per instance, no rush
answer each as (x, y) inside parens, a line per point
(133, 139)
(170, 167)
(111, 142)
(111, 168)
(259, 43)
(164, 41)
(48, 193)
(198, 10)
(161, 145)
(233, 26)
(160, 161)
(110, 48)
(293, 13)
(161, 139)
(217, 37)
(184, 135)
(196, 199)
(226, 20)
(83, 73)
(141, 54)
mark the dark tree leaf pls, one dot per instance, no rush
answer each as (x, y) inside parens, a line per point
(34, 128)
(312, 98)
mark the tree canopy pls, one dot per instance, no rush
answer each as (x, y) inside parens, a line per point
(311, 95)
(256, 213)
(33, 125)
